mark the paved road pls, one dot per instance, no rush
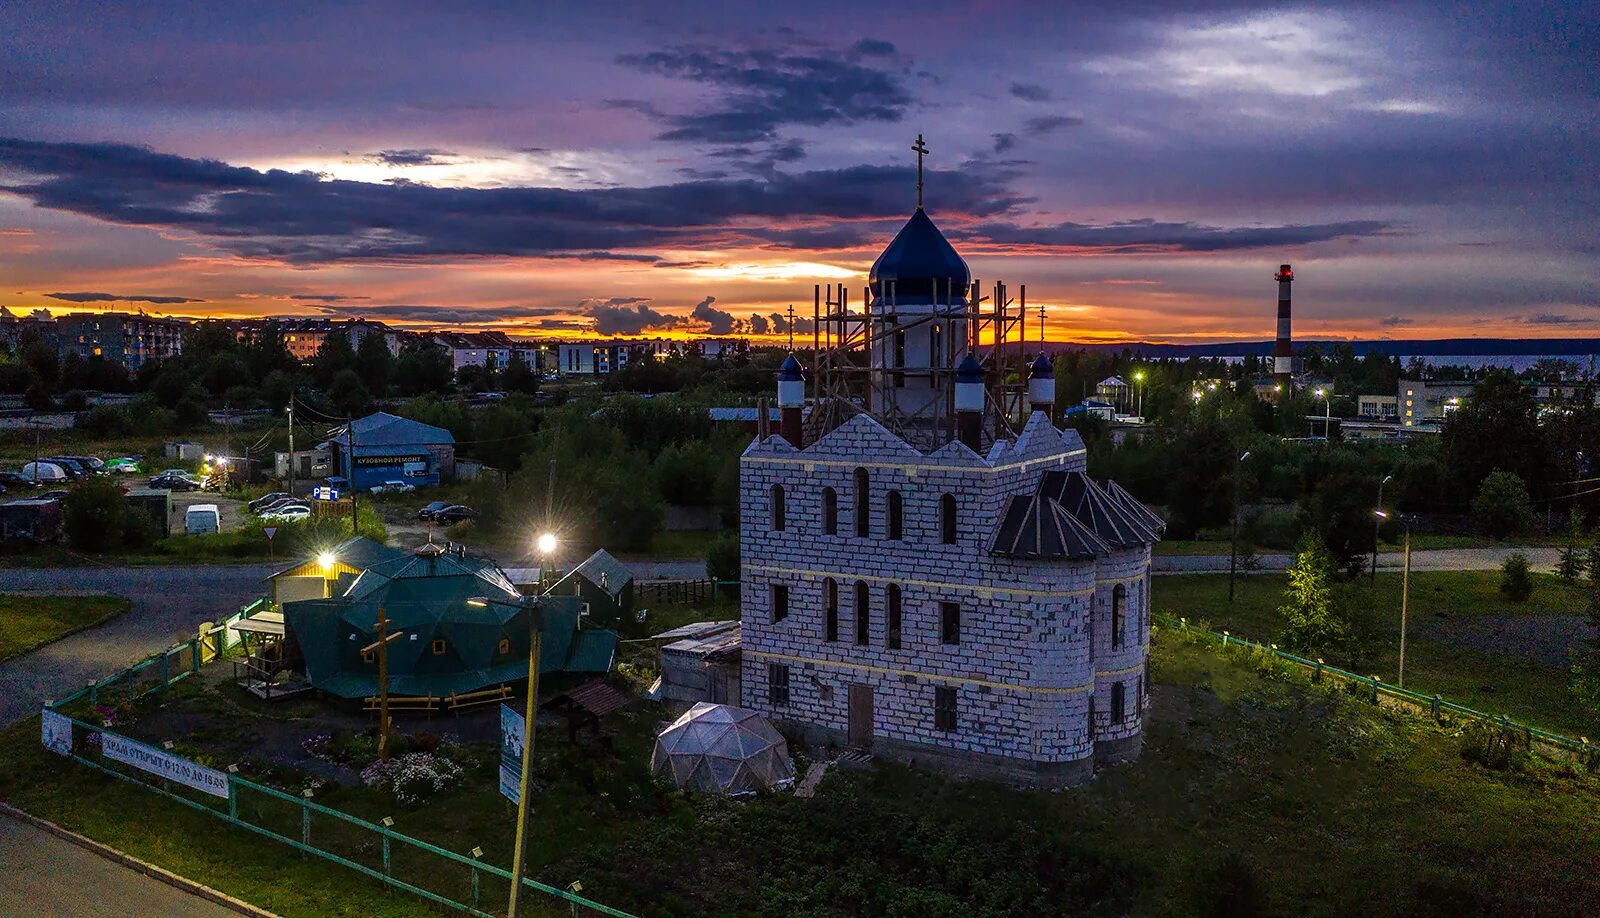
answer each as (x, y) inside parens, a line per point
(1440, 559)
(45, 876)
(168, 603)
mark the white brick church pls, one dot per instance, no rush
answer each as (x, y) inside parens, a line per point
(979, 604)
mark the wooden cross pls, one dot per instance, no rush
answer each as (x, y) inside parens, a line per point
(381, 645)
(791, 326)
(921, 149)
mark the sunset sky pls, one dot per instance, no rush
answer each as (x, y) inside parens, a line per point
(1432, 169)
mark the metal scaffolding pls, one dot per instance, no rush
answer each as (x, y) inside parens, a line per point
(845, 378)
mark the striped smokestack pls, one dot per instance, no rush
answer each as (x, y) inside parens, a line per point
(1283, 350)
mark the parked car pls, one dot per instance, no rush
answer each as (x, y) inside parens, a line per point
(124, 466)
(92, 463)
(173, 482)
(14, 480)
(428, 511)
(39, 472)
(394, 487)
(282, 503)
(201, 519)
(453, 514)
(57, 494)
(74, 471)
(288, 514)
(256, 505)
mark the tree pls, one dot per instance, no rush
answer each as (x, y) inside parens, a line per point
(1502, 506)
(92, 516)
(349, 396)
(687, 473)
(1312, 622)
(373, 363)
(722, 558)
(1497, 429)
(518, 376)
(334, 356)
(423, 368)
(1586, 672)
(1339, 506)
(1515, 584)
(1570, 565)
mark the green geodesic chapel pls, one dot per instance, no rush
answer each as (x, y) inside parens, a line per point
(447, 646)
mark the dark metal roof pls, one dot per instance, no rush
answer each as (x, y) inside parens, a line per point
(1133, 505)
(920, 264)
(1111, 521)
(1038, 528)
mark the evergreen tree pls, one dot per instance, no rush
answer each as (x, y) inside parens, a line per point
(518, 376)
(1312, 622)
(1570, 566)
(1515, 584)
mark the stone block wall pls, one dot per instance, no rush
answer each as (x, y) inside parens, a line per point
(1022, 671)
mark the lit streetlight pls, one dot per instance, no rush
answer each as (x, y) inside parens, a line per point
(1377, 523)
(1138, 377)
(1327, 413)
(1405, 593)
(547, 544)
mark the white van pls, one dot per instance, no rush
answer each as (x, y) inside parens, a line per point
(201, 519)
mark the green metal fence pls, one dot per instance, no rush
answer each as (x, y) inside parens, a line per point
(457, 881)
(1378, 689)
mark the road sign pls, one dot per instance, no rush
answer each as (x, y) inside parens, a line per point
(270, 531)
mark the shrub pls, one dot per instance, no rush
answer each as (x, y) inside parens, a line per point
(93, 515)
(722, 558)
(1515, 584)
(1502, 507)
(103, 421)
(413, 778)
(1501, 748)
(74, 400)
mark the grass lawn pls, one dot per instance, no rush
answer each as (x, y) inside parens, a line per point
(1465, 641)
(1257, 793)
(29, 622)
(687, 544)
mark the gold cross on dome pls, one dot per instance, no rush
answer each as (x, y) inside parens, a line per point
(921, 149)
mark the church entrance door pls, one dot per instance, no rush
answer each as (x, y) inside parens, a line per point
(860, 715)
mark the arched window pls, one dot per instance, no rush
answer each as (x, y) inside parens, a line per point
(863, 505)
(863, 612)
(896, 514)
(1119, 599)
(830, 624)
(830, 511)
(892, 640)
(777, 508)
(947, 519)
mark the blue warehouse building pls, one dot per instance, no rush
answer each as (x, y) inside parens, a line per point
(391, 448)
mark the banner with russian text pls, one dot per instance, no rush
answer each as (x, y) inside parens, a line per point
(163, 764)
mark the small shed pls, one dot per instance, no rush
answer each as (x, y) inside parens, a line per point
(700, 664)
(605, 585)
(317, 577)
(156, 503)
(32, 519)
(183, 449)
(722, 749)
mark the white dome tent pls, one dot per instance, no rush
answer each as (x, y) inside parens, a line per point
(722, 749)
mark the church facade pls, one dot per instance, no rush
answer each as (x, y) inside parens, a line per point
(980, 606)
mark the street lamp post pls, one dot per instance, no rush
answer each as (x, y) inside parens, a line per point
(1233, 552)
(1138, 379)
(1327, 413)
(1405, 594)
(1377, 523)
(546, 545)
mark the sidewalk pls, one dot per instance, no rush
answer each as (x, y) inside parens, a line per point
(1437, 559)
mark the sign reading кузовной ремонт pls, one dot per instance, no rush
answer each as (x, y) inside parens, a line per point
(163, 764)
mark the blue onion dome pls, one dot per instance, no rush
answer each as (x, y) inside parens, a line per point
(921, 263)
(970, 371)
(1042, 369)
(790, 371)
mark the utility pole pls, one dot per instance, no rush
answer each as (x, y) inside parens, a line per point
(353, 530)
(531, 712)
(1233, 553)
(291, 446)
(1405, 596)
